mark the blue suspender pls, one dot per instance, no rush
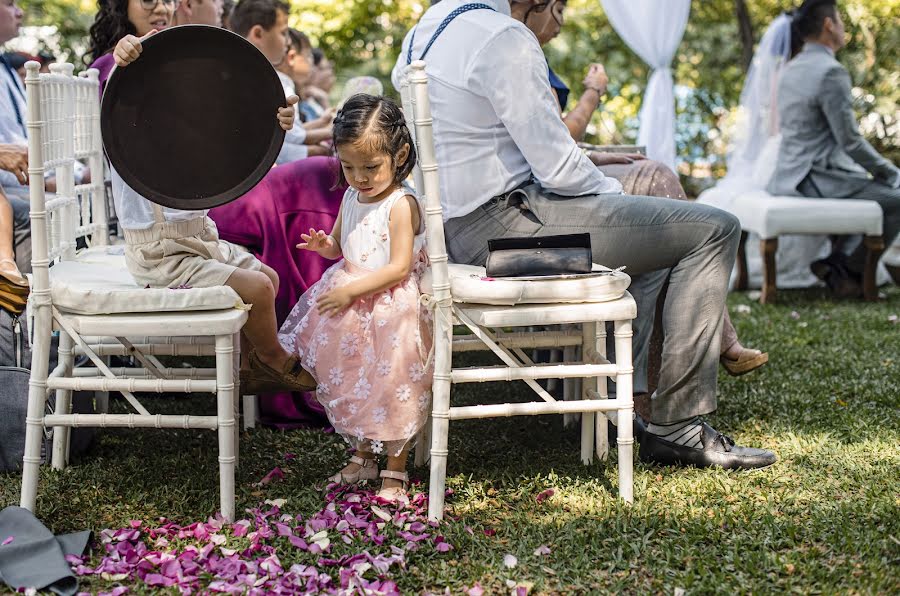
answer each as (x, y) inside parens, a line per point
(441, 27)
(12, 97)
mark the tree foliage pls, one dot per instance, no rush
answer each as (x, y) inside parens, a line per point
(364, 37)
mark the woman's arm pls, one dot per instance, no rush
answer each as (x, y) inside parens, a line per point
(404, 223)
(578, 119)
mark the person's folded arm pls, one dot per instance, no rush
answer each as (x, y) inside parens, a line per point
(838, 109)
(511, 72)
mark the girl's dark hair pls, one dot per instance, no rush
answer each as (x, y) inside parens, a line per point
(378, 122)
(808, 20)
(110, 25)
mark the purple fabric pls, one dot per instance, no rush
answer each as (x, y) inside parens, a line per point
(105, 65)
(268, 220)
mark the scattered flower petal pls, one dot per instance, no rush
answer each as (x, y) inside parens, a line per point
(7, 540)
(544, 495)
(542, 551)
(510, 561)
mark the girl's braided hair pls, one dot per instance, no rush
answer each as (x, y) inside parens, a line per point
(378, 122)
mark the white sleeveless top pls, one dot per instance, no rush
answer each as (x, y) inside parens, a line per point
(365, 231)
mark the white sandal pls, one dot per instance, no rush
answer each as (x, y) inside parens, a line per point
(396, 494)
(368, 470)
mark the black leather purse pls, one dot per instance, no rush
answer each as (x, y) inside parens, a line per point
(565, 254)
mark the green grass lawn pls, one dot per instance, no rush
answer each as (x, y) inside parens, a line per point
(824, 519)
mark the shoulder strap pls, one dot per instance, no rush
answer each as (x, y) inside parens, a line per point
(447, 20)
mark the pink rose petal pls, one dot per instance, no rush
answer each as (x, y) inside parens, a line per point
(544, 495)
(7, 540)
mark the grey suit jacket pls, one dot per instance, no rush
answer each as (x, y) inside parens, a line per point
(820, 134)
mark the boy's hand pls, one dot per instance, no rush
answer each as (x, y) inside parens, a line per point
(129, 49)
(317, 241)
(333, 302)
(286, 114)
(14, 158)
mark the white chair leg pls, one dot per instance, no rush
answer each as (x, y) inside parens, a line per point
(62, 434)
(624, 374)
(588, 339)
(37, 398)
(236, 397)
(249, 412)
(440, 428)
(225, 410)
(601, 434)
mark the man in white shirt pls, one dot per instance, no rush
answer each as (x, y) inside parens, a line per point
(198, 12)
(497, 129)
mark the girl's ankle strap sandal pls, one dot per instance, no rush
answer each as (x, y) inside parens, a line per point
(395, 494)
(368, 471)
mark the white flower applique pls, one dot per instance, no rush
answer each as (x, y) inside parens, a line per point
(349, 344)
(424, 400)
(323, 389)
(377, 447)
(410, 429)
(384, 368)
(382, 322)
(322, 339)
(354, 409)
(358, 433)
(395, 340)
(404, 393)
(336, 376)
(379, 415)
(369, 355)
(416, 372)
(362, 388)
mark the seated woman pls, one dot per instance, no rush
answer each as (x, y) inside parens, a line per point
(639, 176)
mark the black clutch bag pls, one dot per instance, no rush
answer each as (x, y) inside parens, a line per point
(566, 254)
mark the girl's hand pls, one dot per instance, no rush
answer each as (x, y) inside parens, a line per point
(129, 49)
(333, 302)
(286, 114)
(316, 241)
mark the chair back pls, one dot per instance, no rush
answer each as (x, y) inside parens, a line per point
(414, 94)
(63, 121)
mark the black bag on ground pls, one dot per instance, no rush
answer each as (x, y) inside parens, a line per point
(565, 254)
(15, 371)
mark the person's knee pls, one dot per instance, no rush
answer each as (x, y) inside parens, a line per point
(729, 227)
(273, 277)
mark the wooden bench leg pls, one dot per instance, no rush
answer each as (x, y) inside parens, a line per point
(769, 248)
(742, 264)
(874, 247)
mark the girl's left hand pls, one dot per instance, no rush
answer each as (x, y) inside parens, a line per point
(333, 302)
(286, 114)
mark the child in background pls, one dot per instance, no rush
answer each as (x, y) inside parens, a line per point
(361, 330)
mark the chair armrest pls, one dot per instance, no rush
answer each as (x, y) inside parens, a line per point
(615, 148)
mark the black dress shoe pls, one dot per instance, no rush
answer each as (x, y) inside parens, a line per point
(836, 274)
(717, 451)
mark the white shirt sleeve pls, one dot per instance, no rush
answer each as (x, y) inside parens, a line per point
(523, 100)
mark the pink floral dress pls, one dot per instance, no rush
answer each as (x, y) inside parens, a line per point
(371, 362)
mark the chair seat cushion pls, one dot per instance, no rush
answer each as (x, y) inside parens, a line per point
(772, 216)
(97, 282)
(469, 283)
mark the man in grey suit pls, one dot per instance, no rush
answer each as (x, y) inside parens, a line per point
(822, 152)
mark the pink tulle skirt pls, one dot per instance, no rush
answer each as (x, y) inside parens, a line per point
(371, 362)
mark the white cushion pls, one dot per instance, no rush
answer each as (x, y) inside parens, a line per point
(772, 216)
(97, 282)
(469, 283)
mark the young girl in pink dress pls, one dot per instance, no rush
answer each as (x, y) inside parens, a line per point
(361, 330)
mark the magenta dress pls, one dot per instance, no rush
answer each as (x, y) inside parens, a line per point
(372, 362)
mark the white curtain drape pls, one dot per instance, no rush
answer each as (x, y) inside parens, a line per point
(653, 29)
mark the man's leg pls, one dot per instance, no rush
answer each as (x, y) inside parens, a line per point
(889, 200)
(698, 243)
